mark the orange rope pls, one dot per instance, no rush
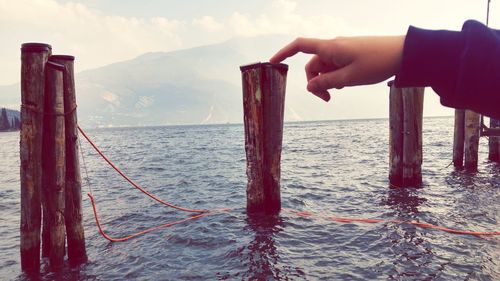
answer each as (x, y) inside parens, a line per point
(125, 238)
(300, 214)
(132, 182)
(202, 213)
(419, 224)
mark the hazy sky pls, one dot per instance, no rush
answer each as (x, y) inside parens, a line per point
(100, 32)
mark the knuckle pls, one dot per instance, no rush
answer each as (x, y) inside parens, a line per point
(312, 86)
(308, 65)
(298, 40)
(328, 47)
(336, 43)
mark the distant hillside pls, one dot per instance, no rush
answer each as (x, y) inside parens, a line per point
(9, 120)
(194, 86)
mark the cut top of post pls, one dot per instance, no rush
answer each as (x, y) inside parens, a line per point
(35, 47)
(62, 57)
(280, 66)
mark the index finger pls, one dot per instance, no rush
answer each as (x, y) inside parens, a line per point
(304, 45)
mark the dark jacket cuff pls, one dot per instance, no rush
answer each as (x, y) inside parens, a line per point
(430, 58)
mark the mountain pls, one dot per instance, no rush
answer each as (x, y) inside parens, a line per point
(195, 86)
(13, 114)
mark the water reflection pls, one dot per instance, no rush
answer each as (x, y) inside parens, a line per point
(493, 169)
(462, 179)
(29, 276)
(412, 255)
(405, 201)
(66, 273)
(262, 257)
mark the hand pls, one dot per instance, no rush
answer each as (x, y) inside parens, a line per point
(346, 61)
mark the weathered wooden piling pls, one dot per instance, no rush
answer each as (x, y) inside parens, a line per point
(494, 142)
(263, 106)
(395, 135)
(73, 197)
(33, 59)
(458, 138)
(471, 139)
(54, 162)
(405, 135)
(50, 174)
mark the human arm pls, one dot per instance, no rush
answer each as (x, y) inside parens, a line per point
(463, 67)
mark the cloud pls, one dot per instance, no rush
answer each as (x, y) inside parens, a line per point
(93, 37)
(208, 23)
(97, 39)
(282, 17)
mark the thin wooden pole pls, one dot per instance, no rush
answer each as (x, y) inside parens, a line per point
(458, 138)
(471, 136)
(395, 135)
(263, 107)
(488, 12)
(54, 164)
(33, 59)
(413, 99)
(73, 209)
(494, 143)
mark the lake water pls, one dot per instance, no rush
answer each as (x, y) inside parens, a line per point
(336, 168)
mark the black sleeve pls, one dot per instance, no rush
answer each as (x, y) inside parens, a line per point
(463, 67)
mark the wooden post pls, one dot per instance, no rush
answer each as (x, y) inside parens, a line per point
(471, 136)
(33, 59)
(54, 165)
(458, 138)
(395, 135)
(494, 142)
(405, 135)
(263, 108)
(73, 208)
(413, 101)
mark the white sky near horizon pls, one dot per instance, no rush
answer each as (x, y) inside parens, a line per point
(100, 32)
